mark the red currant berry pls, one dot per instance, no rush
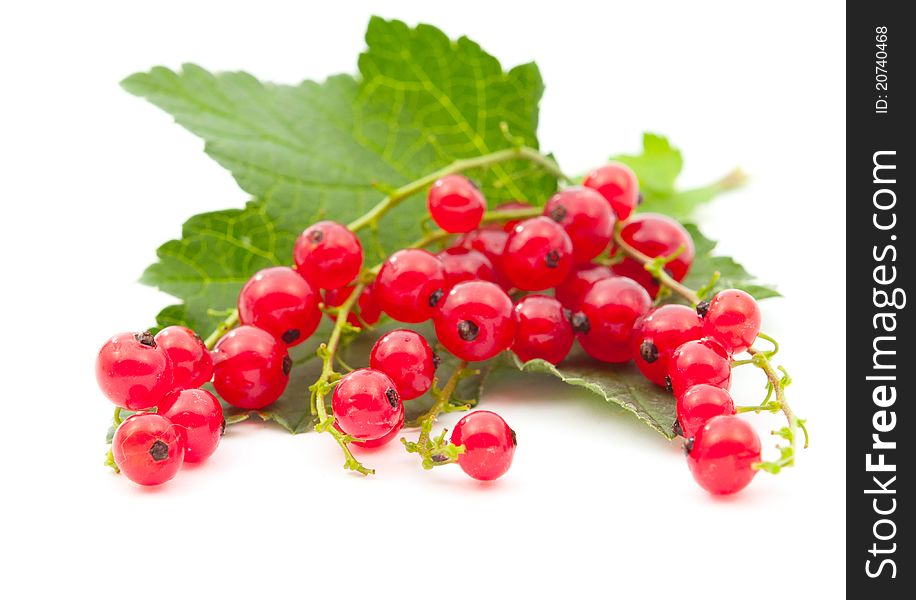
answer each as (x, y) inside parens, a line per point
(699, 404)
(509, 206)
(410, 285)
(367, 307)
(571, 290)
(366, 404)
(655, 235)
(586, 217)
(608, 312)
(455, 204)
(133, 371)
(722, 455)
(538, 255)
(378, 443)
(328, 254)
(281, 302)
(489, 445)
(191, 363)
(696, 362)
(405, 356)
(543, 329)
(619, 186)
(199, 417)
(732, 318)
(476, 321)
(148, 448)
(657, 334)
(462, 264)
(250, 367)
(491, 242)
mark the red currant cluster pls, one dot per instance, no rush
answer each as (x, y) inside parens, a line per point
(604, 265)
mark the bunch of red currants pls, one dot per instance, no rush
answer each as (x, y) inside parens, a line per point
(477, 293)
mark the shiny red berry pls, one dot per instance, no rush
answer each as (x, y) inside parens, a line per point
(476, 321)
(538, 254)
(586, 217)
(462, 264)
(543, 329)
(191, 363)
(133, 371)
(732, 318)
(491, 242)
(722, 455)
(410, 285)
(608, 312)
(250, 367)
(510, 206)
(571, 290)
(619, 186)
(328, 254)
(148, 449)
(489, 445)
(658, 334)
(655, 235)
(199, 417)
(366, 404)
(281, 302)
(699, 404)
(366, 310)
(385, 439)
(407, 359)
(696, 362)
(455, 204)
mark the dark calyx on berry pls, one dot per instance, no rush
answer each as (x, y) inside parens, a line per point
(315, 236)
(688, 446)
(146, 338)
(435, 297)
(558, 213)
(677, 429)
(222, 428)
(648, 351)
(290, 336)
(514, 438)
(392, 395)
(436, 361)
(468, 331)
(639, 199)
(552, 259)
(159, 450)
(668, 385)
(287, 364)
(579, 322)
(703, 308)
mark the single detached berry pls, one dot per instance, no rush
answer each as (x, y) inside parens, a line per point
(571, 290)
(148, 448)
(250, 367)
(407, 359)
(199, 417)
(722, 455)
(133, 371)
(655, 235)
(658, 334)
(586, 217)
(385, 439)
(696, 362)
(366, 310)
(366, 404)
(510, 206)
(410, 285)
(281, 302)
(462, 264)
(610, 309)
(619, 186)
(732, 318)
(455, 204)
(489, 445)
(699, 404)
(191, 363)
(491, 242)
(476, 321)
(543, 329)
(538, 254)
(328, 254)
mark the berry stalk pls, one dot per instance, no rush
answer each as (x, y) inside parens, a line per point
(656, 268)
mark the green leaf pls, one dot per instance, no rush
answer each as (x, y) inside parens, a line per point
(731, 273)
(621, 384)
(320, 150)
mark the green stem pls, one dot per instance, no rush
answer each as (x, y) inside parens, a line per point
(663, 277)
(437, 452)
(516, 213)
(400, 194)
(117, 416)
(231, 321)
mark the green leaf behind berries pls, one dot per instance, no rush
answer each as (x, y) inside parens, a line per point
(731, 273)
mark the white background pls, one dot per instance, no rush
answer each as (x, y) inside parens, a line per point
(596, 503)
